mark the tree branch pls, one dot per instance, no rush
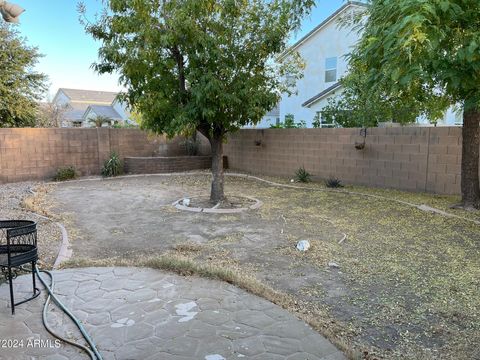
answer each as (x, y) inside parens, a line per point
(181, 69)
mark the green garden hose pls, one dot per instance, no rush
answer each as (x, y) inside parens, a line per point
(92, 351)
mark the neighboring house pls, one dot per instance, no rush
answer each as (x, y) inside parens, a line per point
(270, 118)
(324, 52)
(105, 111)
(81, 106)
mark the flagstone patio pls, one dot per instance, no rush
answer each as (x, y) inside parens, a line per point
(138, 313)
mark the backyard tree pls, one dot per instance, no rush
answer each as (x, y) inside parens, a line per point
(205, 66)
(419, 49)
(360, 105)
(20, 86)
(50, 115)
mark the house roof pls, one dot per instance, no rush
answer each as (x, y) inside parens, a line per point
(75, 111)
(103, 110)
(90, 96)
(321, 95)
(321, 25)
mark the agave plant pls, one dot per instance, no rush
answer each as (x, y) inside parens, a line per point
(112, 166)
(333, 182)
(303, 175)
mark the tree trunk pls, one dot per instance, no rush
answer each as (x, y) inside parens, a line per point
(470, 159)
(217, 194)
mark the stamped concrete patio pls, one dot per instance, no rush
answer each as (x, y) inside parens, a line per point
(138, 313)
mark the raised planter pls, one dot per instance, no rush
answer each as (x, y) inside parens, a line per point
(166, 164)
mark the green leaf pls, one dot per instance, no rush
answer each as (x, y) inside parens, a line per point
(444, 5)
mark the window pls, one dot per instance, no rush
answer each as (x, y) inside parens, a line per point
(330, 69)
(76, 124)
(322, 120)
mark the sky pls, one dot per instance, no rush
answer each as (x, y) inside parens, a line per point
(68, 53)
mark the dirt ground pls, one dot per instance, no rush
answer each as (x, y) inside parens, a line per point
(407, 281)
(16, 204)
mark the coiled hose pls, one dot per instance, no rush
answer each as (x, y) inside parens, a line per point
(92, 351)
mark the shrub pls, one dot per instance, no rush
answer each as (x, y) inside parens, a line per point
(289, 123)
(113, 166)
(65, 173)
(124, 125)
(333, 182)
(303, 175)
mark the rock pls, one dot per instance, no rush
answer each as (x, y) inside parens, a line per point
(333, 264)
(303, 245)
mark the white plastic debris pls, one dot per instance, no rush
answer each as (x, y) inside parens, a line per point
(333, 264)
(292, 181)
(186, 202)
(303, 245)
(214, 357)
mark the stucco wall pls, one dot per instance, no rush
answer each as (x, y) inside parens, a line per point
(409, 158)
(331, 41)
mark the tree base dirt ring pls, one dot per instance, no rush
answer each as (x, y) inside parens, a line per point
(231, 205)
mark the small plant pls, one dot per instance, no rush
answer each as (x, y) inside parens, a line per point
(113, 166)
(333, 182)
(289, 123)
(303, 175)
(65, 173)
(124, 125)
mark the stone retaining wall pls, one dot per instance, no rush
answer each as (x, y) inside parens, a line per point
(156, 165)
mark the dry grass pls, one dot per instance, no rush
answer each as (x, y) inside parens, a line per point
(188, 247)
(412, 277)
(407, 269)
(39, 202)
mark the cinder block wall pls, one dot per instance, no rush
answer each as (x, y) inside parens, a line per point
(408, 158)
(36, 154)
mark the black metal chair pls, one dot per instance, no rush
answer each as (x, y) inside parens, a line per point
(18, 246)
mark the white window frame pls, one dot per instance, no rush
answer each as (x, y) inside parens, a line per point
(324, 124)
(330, 68)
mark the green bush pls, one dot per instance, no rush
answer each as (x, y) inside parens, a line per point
(124, 125)
(113, 166)
(65, 173)
(290, 123)
(303, 175)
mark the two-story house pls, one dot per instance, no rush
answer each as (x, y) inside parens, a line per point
(324, 51)
(80, 107)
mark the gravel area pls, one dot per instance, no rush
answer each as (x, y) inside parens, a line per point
(12, 206)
